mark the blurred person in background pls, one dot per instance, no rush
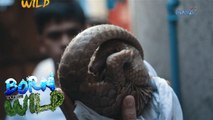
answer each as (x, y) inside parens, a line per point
(56, 25)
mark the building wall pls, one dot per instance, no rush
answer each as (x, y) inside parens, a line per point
(196, 45)
(195, 35)
(149, 24)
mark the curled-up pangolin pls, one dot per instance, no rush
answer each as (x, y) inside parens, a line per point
(102, 65)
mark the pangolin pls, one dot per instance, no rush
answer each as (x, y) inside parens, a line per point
(102, 65)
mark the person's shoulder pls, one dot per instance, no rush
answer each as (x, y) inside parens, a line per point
(44, 68)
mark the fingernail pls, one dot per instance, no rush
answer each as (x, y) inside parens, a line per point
(130, 101)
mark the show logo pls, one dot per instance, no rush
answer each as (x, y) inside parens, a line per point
(34, 3)
(186, 12)
(12, 104)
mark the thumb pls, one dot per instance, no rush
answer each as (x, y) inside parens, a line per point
(128, 108)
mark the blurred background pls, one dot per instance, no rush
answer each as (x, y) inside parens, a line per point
(177, 40)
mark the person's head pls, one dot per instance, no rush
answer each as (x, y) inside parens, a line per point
(57, 24)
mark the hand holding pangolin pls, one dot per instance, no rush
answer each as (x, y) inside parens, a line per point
(101, 66)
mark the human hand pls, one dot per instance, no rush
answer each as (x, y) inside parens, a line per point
(68, 108)
(128, 108)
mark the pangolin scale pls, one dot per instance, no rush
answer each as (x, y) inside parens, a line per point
(102, 65)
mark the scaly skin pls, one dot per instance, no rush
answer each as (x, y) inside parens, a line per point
(102, 65)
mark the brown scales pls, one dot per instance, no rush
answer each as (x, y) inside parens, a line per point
(102, 65)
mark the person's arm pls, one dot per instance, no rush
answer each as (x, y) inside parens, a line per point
(68, 109)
